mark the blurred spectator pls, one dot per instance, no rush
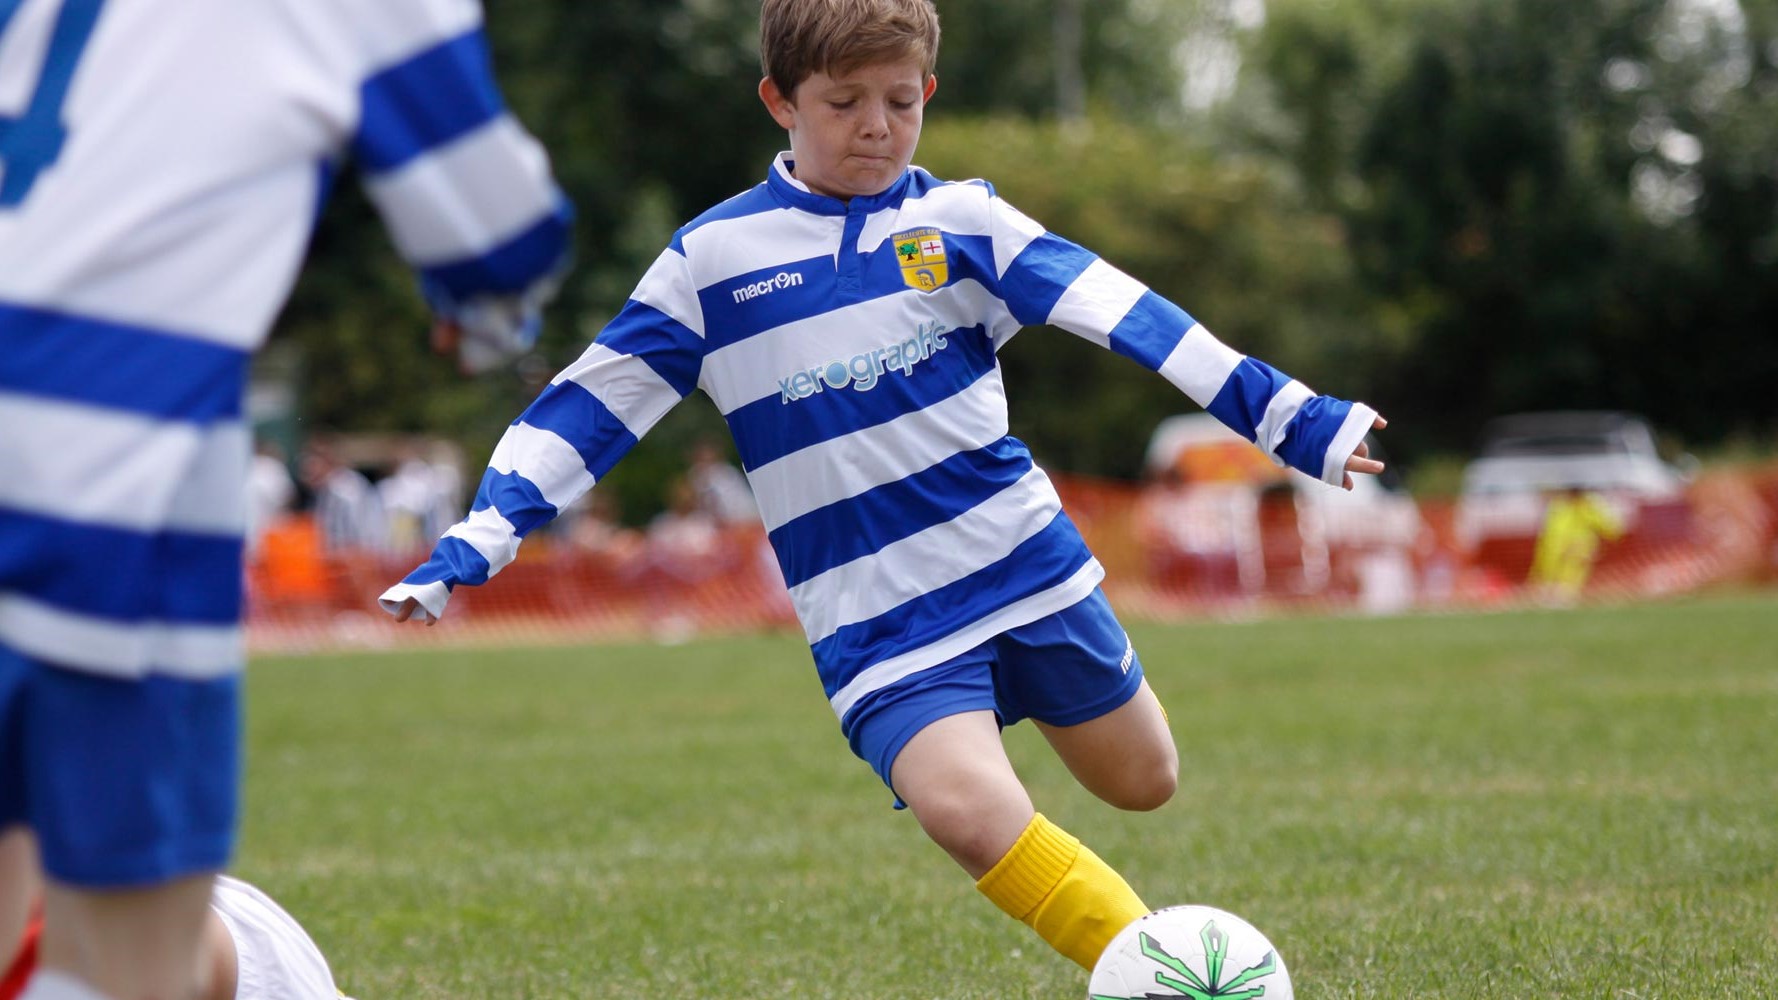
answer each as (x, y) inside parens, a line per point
(420, 499)
(684, 542)
(271, 493)
(719, 488)
(1575, 522)
(347, 507)
(592, 528)
(1201, 537)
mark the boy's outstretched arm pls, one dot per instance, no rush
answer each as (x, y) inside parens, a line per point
(643, 363)
(1046, 279)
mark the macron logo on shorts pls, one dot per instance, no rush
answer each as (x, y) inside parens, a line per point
(1129, 655)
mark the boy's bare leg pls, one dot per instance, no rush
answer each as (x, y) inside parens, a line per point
(18, 887)
(956, 778)
(137, 944)
(1125, 756)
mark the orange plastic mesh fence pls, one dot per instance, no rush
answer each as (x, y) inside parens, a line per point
(1239, 555)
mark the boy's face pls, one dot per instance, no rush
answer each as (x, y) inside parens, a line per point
(855, 133)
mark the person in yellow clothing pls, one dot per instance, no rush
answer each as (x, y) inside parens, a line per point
(1575, 523)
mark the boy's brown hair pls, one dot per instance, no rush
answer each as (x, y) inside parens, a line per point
(799, 38)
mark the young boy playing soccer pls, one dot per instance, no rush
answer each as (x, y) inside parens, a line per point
(844, 317)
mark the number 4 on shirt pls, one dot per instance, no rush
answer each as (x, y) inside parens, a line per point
(33, 139)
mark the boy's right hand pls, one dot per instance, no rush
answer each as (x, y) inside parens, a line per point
(406, 609)
(1361, 461)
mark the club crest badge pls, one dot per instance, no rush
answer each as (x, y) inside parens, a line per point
(921, 254)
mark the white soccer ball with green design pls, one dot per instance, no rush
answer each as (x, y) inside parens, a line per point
(1198, 952)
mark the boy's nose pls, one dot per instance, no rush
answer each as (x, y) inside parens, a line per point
(875, 122)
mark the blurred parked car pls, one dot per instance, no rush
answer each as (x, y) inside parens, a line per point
(1220, 516)
(1525, 458)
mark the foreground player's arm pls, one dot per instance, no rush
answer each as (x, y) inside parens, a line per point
(642, 364)
(464, 190)
(1046, 279)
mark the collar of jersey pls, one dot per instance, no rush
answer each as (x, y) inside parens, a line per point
(796, 194)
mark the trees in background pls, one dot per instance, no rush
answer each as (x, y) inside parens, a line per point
(1452, 208)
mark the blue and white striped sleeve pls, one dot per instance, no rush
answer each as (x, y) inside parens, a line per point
(643, 363)
(1046, 279)
(465, 191)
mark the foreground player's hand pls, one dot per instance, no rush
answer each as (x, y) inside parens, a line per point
(1361, 461)
(409, 607)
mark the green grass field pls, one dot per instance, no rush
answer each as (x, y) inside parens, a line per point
(1530, 804)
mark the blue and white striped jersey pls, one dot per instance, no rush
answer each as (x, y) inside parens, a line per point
(161, 169)
(852, 349)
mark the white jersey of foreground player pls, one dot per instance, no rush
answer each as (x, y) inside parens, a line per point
(162, 166)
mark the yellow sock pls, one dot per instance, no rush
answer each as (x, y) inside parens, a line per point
(1052, 883)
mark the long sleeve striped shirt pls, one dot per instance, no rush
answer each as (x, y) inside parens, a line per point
(851, 348)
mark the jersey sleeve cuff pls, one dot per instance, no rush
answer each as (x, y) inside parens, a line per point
(431, 596)
(1345, 441)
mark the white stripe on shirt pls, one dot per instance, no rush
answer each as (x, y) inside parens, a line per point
(821, 474)
(113, 648)
(1199, 365)
(624, 383)
(432, 223)
(926, 560)
(111, 468)
(1096, 301)
(763, 241)
(545, 460)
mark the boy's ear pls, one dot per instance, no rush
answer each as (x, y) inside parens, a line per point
(782, 110)
(931, 86)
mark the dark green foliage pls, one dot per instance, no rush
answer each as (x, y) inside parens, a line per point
(1450, 208)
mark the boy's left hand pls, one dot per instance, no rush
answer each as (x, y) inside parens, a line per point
(1361, 461)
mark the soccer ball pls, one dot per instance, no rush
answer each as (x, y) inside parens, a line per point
(1189, 951)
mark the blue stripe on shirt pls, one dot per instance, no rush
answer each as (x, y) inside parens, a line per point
(1150, 331)
(752, 201)
(130, 576)
(453, 561)
(1241, 402)
(516, 498)
(1042, 561)
(425, 101)
(1311, 431)
(764, 433)
(839, 532)
(119, 366)
(728, 321)
(671, 349)
(1040, 274)
(509, 267)
(583, 420)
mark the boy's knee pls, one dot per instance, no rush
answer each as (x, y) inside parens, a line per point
(970, 830)
(1144, 785)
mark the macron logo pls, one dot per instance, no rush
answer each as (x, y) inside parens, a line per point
(783, 279)
(861, 371)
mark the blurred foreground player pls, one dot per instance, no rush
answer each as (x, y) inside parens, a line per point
(251, 950)
(161, 169)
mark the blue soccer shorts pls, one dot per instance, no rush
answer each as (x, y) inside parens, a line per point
(1063, 669)
(125, 782)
